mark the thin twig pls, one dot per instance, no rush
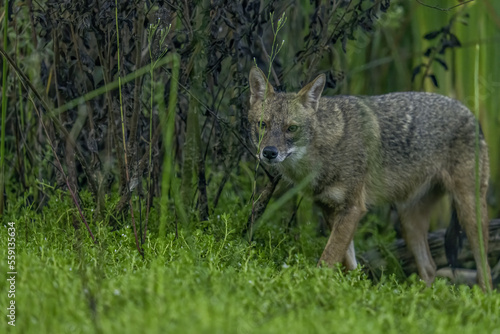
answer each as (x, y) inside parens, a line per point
(275, 76)
(444, 9)
(259, 205)
(128, 191)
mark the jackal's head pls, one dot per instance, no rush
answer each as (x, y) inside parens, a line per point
(282, 124)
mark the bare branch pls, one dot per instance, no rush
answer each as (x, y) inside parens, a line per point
(444, 9)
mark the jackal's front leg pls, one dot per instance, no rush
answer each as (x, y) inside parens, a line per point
(343, 224)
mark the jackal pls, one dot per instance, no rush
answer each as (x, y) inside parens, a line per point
(406, 149)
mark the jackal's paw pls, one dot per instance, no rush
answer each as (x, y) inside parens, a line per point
(427, 273)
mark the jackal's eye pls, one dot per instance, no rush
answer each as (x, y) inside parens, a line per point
(293, 128)
(261, 125)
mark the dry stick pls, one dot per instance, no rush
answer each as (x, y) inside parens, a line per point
(145, 156)
(203, 199)
(21, 123)
(25, 82)
(112, 136)
(132, 143)
(93, 185)
(427, 69)
(375, 260)
(214, 97)
(259, 206)
(264, 51)
(148, 157)
(227, 174)
(137, 89)
(127, 190)
(70, 144)
(296, 208)
(20, 166)
(443, 9)
(202, 183)
(202, 188)
(209, 135)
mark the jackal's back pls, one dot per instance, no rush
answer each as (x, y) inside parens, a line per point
(401, 142)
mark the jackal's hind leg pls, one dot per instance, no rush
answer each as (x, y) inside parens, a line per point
(466, 210)
(415, 219)
(462, 188)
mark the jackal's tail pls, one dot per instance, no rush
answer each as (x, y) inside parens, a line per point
(453, 240)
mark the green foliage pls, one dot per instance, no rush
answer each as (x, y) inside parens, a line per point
(209, 279)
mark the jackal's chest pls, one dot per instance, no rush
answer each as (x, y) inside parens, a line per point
(331, 195)
(299, 172)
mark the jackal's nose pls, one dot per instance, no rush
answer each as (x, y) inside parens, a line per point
(270, 152)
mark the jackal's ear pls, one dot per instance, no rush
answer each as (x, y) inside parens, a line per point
(310, 94)
(260, 88)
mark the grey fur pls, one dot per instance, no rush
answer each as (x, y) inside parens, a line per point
(401, 148)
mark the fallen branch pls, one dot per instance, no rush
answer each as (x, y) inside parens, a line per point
(260, 206)
(375, 260)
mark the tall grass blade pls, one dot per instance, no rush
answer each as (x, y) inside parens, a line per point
(168, 124)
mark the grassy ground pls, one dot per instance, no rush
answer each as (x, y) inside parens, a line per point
(210, 280)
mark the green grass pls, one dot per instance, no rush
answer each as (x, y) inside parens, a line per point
(210, 280)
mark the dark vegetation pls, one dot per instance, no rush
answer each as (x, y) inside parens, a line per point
(81, 146)
(111, 142)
